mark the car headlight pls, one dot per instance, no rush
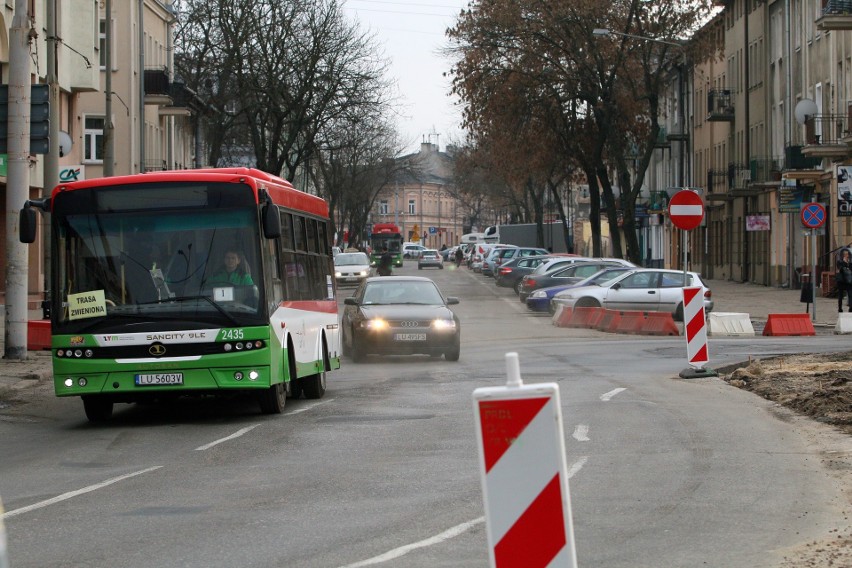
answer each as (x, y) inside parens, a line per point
(362, 273)
(444, 324)
(337, 274)
(538, 294)
(375, 324)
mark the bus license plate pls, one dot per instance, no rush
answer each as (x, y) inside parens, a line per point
(153, 379)
(410, 337)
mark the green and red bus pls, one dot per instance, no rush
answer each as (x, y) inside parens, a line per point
(386, 235)
(140, 310)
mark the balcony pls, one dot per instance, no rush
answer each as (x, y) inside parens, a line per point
(827, 136)
(157, 91)
(185, 101)
(740, 181)
(720, 106)
(717, 186)
(766, 171)
(836, 15)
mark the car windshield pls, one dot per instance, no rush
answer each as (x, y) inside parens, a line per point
(402, 292)
(351, 259)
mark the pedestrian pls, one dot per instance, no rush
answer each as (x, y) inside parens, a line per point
(385, 267)
(844, 279)
(459, 256)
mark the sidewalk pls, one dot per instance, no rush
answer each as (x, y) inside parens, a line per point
(728, 296)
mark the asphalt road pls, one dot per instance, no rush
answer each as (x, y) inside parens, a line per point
(383, 471)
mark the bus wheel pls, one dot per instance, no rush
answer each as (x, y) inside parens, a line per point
(98, 408)
(272, 399)
(314, 386)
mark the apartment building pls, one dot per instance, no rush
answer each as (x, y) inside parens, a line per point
(422, 200)
(770, 130)
(154, 116)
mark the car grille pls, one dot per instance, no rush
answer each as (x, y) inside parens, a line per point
(410, 324)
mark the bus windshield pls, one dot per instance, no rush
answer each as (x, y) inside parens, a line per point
(199, 266)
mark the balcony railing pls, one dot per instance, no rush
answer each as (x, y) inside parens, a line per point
(720, 106)
(157, 81)
(765, 169)
(794, 159)
(836, 15)
(739, 176)
(826, 129)
(717, 181)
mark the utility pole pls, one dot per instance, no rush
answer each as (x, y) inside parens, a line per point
(109, 127)
(17, 182)
(51, 159)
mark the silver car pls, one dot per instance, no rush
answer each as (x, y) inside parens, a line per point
(351, 268)
(641, 289)
(430, 258)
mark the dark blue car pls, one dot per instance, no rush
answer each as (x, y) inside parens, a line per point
(539, 300)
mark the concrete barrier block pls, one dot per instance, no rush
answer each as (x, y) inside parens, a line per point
(729, 324)
(844, 324)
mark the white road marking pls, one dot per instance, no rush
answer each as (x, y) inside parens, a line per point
(608, 396)
(576, 466)
(310, 406)
(70, 494)
(402, 550)
(447, 534)
(581, 433)
(236, 434)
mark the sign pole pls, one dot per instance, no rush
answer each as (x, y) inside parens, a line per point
(813, 271)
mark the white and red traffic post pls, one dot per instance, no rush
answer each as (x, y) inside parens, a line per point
(695, 327)
(524, 474)
(686, 211)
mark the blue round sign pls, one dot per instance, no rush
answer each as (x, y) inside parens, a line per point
(813, 215)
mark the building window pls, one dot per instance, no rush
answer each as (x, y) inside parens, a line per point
(93, 139)
(383, 207)
(412, 209)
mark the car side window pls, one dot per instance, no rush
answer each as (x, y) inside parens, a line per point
(640, 280)
(674, 280)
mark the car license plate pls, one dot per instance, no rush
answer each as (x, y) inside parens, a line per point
(409, 337)
(159, 379)
(352, 279)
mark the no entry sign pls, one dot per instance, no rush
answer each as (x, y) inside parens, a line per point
(686, 210)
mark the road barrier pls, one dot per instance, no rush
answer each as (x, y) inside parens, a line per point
(789, 324)
(659, 323)
(38, 335)
(562, 316)
(844, 324)
(524, 475)
(609, 321)
(730, 324)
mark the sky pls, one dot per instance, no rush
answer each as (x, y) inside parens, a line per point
(411, 33)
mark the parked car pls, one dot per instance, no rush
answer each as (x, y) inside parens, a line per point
(540, 277)
(430, 258)
(644, 289)
(487, 251)
(509, 274)
(412, 250)
(351, 268)
(400, 315)
(540, 300)
(570, 274)
(502, 256)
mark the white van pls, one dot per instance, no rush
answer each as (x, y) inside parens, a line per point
(412, 250)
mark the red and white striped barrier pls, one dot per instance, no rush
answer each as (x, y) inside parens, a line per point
(695, 327)
(524, 474)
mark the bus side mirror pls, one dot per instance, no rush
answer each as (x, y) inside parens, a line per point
(271, 221)
(27, 225)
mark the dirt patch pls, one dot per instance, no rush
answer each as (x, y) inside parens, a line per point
(817, 385)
